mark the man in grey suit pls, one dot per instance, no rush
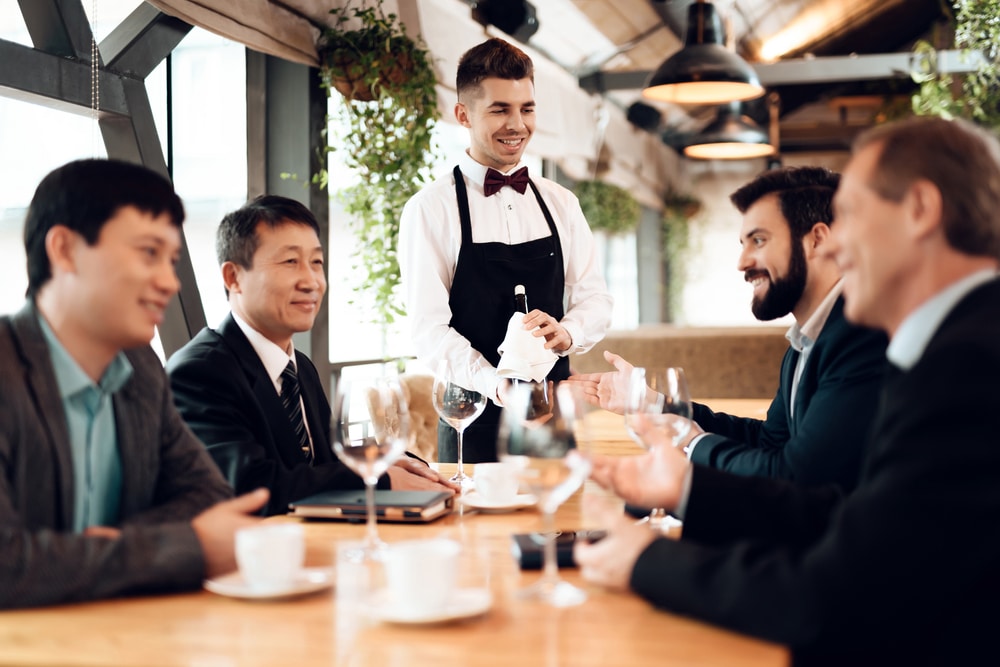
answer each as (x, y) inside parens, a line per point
(103, 489)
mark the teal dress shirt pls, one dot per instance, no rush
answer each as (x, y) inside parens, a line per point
(90, 418)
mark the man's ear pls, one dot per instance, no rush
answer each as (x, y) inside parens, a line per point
(462, 114)
(60, 245)
(815, 239)
(231, 276)
(924, 207)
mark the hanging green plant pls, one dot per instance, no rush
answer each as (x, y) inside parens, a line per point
(975, 95)
(678, 210)
(607, 207)
(381, 131)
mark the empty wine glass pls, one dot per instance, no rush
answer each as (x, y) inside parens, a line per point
(459, 407)
(658, 397)
(371, 430)
(551, 458)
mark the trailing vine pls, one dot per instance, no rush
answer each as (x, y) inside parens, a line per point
(382, 131)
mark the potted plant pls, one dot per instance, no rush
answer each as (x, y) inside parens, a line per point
(607, 207)
(381, 131)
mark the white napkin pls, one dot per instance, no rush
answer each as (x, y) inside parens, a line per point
(523, 356)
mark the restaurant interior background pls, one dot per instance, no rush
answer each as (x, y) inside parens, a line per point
(231, 121)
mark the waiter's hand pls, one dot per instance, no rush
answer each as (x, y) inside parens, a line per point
(557, 338)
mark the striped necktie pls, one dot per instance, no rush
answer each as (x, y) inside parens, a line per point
(291, 400)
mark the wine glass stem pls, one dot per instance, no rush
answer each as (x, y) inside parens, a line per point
(550, 573)
(460, 473)
(370, 502)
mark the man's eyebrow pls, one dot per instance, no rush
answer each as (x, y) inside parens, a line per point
(754, 232)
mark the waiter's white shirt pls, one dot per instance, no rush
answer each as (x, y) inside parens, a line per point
(430, 237)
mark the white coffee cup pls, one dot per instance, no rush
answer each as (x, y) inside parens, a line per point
(421, 575)
(496, 483)
(270, 556)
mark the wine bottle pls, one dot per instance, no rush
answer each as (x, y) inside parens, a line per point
(520, 299)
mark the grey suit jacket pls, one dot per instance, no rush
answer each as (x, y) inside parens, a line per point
(168, 478)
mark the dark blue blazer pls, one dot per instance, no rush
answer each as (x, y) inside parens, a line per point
(903, 570)
(834, 408)
(223, 392)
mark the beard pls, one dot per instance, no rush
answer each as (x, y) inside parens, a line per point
(783, 293)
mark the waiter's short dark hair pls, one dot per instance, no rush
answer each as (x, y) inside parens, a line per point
(493, 58)
(236, 240)
(805, 195)
(83, 195)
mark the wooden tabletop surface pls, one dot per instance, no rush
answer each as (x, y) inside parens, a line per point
(202, 629)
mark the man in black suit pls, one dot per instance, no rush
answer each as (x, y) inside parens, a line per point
(906, 568)
(228, 383)
(831, 373)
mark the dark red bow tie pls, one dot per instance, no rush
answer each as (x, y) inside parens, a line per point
(495, 180)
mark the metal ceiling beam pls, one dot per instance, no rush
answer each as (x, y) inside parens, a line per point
(142, 41)
(59, 27)
(55, 81)
(811, 70)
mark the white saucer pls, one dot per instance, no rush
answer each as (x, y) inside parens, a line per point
(309, 580)
(476, 501)
(464, 603)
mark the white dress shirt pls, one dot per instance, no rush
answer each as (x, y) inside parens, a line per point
(275, 360)
(912, 336)
(430, 238)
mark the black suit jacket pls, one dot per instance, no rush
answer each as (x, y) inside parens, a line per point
(906, 568)
(834, 408)
(223, 392)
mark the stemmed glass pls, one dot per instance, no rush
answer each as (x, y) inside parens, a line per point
(459, 407)
(550, 455)
(371, 430)
(658, 397)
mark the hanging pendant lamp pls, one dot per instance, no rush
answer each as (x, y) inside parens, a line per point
(704, 71)
(731, 136)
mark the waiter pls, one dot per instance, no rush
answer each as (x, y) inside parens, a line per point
(467, 239)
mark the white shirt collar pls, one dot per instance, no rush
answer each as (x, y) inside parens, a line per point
(806, 335)
(273, 357)
(476, 172)
(907, 346)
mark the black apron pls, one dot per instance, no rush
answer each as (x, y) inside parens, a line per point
(482, 301)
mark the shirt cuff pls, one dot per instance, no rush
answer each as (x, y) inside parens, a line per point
(689, 448)
(575, 334)
(682, 502)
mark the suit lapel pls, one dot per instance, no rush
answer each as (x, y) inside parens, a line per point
(263, 389)
(43, 390)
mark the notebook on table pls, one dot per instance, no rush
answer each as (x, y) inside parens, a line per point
(390, 506)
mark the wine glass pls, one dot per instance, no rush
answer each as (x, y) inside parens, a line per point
(459, 407)
(371, 430)
(658, 397)
(550, 456)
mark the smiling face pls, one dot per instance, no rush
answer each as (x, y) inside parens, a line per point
(870, 246)
(500, 115)
(110, 296)
(771, 261)
(280, 293)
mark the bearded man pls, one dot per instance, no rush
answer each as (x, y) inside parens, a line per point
(828, 392)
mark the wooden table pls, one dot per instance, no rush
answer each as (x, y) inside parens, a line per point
(329, 628)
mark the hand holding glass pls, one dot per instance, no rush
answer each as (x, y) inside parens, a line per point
(658, 397)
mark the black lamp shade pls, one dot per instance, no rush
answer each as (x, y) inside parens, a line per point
(704, 71)
(731, 136)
